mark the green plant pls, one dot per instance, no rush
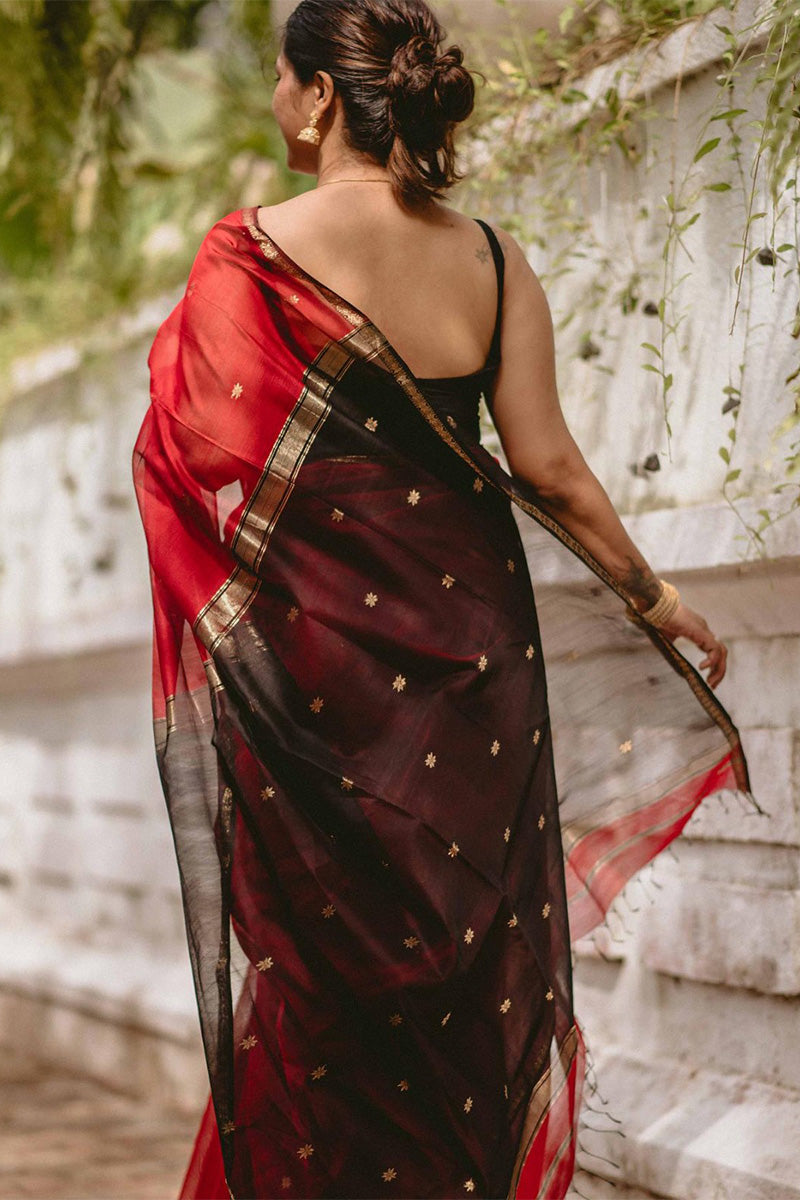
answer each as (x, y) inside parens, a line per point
(573, 133)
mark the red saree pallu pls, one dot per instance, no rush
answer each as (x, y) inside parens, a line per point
(397, 784)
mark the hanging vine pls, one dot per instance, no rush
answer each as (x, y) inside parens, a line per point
(536, 120)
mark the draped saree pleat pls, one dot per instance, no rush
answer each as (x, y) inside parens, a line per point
(397, 783)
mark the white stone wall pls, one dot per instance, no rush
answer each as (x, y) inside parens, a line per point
(94, 969)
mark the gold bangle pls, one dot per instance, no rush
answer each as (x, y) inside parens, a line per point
(664, 608)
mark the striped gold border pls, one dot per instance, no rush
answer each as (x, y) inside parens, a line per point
(544, 1095)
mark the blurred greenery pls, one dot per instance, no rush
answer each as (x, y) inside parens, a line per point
(127, 127)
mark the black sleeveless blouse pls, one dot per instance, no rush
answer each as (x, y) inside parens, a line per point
(459, 395)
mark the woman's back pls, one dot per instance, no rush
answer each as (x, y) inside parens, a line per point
(428, 283)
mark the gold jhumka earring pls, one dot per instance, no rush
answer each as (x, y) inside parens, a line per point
(309, 132)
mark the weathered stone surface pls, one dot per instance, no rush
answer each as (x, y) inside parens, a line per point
(729, 1030)
(692, 1134)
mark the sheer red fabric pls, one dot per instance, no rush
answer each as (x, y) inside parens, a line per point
(397, 782)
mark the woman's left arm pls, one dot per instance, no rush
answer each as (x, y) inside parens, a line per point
(541, 450)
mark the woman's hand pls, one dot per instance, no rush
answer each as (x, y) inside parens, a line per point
(685, 622)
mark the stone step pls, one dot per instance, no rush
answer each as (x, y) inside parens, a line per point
(693, 1133)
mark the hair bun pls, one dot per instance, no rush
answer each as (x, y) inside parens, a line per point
(426, 90)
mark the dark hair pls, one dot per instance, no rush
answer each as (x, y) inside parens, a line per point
(401, 97)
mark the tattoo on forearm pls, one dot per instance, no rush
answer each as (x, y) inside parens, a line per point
(641, 582)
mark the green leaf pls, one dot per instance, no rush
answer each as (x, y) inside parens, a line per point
(650, 346)
(731, 112)
(729, 478)
(668, 382)
(724, 455)
(706, 148)
(650, 367)
(717, 187)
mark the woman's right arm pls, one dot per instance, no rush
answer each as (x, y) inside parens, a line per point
(541, 450)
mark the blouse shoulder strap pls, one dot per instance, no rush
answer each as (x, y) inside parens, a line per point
(499, 264)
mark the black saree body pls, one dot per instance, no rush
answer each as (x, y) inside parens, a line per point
(398, 783)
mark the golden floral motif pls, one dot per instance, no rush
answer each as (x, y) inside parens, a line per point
(316, 704)
(448, 581)
(548, 994)
(370, 599)
(469, 935)
(469, 1184)
(626, 747)
(446, 1018)
(267, 793)
(506, 1005)
(537, 733)
(450, 420)
(540, 822)
(505, 1090)
(529, 651)
(468, 1104)
(336, 514)
(495, 748)
(228, 1127)
(264, 964)
(319, 1071)
(389, 1174)
(506, 833)
(305, 1151)
(399, 682)
(510, 564)
(513, 920)
(411, 941)
(236, 391)
(293, 613)
(412, 497)
(477, 484)
(403, 1085)
(286, 1182)
(294, 298)
(227, 796)
(546, 909)
(222, 961)
(483, 662)
(371, 424)
(396, 1019)
(453, 851)
(346, 783)
(430, 759)
(329, 910)
(248, 1042)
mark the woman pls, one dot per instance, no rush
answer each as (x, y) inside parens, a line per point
(357, 738)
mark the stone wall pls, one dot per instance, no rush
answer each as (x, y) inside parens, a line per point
(94, 970)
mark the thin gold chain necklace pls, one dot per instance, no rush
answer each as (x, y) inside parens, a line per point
(346, 180)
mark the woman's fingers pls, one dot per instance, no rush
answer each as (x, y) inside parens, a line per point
(690, 624)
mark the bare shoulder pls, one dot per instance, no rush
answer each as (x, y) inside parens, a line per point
(286, 213)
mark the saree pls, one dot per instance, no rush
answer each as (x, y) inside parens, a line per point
(399, 785)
